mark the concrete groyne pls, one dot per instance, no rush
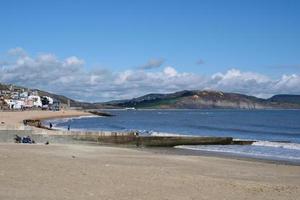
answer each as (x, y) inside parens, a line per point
(42, 135)
(115, 138)
(152, 141)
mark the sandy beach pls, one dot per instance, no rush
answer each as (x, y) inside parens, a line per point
(61, 171)
(93, 172)
(16, 118)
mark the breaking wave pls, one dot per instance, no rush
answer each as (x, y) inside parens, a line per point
(285, 145)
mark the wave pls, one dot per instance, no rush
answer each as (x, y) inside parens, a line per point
(232, 149)
(164, 134)
(57, 121)
(260, 149)
(242, 130)
(65, 119)
(285, 145)
(82, 117)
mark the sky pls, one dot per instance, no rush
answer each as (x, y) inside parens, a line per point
(106, 50)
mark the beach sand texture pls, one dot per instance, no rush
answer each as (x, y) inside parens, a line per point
(93, 172)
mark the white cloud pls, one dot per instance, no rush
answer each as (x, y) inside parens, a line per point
(235, 80)
(288, 84)
(73, 60)
(170, 72)
(70, 77)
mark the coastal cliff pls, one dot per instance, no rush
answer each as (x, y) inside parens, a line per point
(196, 99)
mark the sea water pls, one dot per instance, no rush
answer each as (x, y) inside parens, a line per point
(277, 132)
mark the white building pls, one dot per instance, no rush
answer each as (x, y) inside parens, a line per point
(36, 101)
(50, 100)
(15, 104)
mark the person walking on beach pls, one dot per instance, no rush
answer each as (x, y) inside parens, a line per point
(50, 125)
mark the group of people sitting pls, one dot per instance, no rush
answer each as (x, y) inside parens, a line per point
(25, 139)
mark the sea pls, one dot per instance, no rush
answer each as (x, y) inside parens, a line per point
(276, 132)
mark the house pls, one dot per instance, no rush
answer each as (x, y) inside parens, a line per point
(46, 102)
(50, 100)
(28, 103)
(36, 101)
(19, 98)
(14, 104)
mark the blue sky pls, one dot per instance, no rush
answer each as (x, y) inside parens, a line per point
(202, 38)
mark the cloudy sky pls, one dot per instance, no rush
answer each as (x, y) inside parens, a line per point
(106, 50)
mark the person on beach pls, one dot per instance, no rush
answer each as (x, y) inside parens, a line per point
(50, 125)
(17, 139)
(27, 140)
(69, 126)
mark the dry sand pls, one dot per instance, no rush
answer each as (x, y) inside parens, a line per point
(36, 172)
(17, 117)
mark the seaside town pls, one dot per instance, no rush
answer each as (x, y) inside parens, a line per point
(15, 98)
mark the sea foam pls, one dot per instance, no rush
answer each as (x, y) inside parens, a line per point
(285, 145)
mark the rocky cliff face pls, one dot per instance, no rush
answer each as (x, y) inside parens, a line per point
(212, 99)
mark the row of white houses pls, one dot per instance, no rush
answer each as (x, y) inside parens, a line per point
(25, 101)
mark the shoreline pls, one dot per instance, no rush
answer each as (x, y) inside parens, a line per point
(229, 156)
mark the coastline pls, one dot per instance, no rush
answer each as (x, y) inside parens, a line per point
(229, 156)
